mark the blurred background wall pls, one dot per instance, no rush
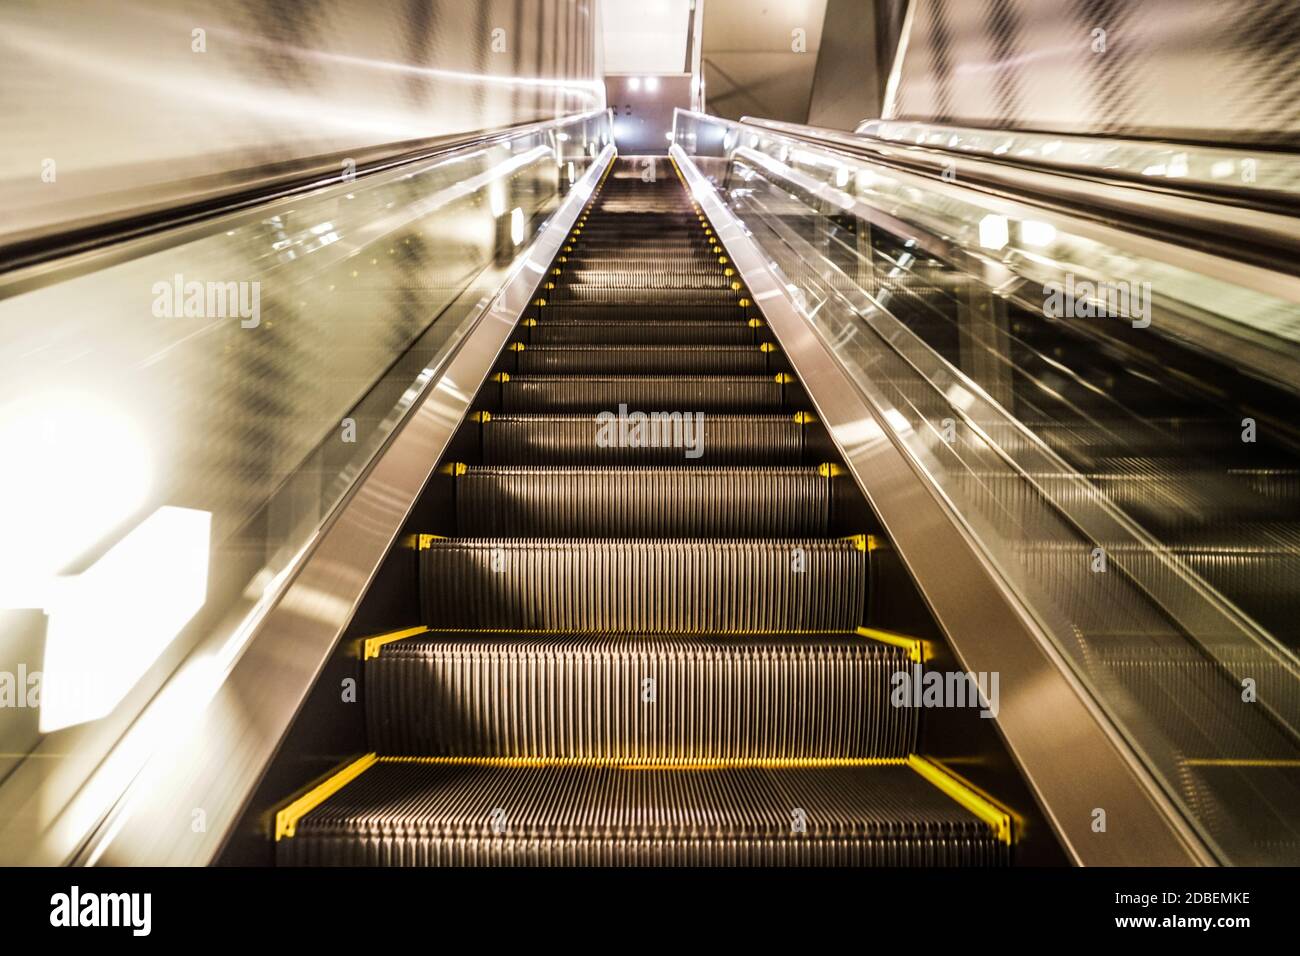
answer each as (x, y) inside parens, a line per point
(1213, 70)
(109, 104)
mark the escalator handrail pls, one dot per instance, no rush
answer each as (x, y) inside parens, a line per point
(1147, 162)
(1264, 233)
(1256, 351)
(256, 186)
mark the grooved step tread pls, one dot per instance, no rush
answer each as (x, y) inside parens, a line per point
(419, 814)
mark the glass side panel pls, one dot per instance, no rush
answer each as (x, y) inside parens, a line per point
(1139, 493)
(179, 415)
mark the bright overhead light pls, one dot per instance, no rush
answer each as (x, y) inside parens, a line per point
(993, 232)
(1035, 233)
(75, 467)
(109, 624)
(651, 83)
(634, 83)
(517, 225)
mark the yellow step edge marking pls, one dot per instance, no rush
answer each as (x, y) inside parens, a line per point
(860, 541)
(539, 302)
(559, 632)
(371, 645)
(959, 790)
(805, 418)
(423, 541)
(481, 416)
(755, 323)
(501, 377)
(286, 821)
(736, 287)
(915, 647)
(745, 303)
(654, 763)
(517, 346)
(830, 470)
(728, 272)
(456, 468)
(529, 323)
(784, 378)
(767, 347)
(1239, 762)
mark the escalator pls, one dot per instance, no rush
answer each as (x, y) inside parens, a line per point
(654, 608)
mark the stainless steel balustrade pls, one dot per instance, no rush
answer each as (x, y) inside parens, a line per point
(956, 426)
(299, 432)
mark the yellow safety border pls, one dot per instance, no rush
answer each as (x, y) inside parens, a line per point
(371, 645)
(961, 791)
(380, 640)
(999, 819)
(286, 821)
(915, 647)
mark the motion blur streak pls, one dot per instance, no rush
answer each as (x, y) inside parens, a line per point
(217, 91)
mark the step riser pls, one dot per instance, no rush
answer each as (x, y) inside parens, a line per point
(652, 360)
(692, 297)
(755, 394)
(538, 697)
(643, 333)
(777, 440)
(670, 502)
(602, 312)
(620, 586)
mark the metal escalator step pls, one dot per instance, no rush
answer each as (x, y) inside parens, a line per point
(643, 360)
(615, 238)
(713, 697)
(672, 501)
(665, 277)
(690, 258)
(627, 312)
(422, 813)
(703, 263)
(627, 585)
(685, 393)
(576, 440)
(638, 332)
(578, 294)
